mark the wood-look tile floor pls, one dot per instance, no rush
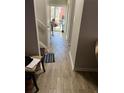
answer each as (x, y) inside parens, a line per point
(59, 76)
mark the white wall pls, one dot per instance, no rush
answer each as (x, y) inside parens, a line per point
(40, 10)
(41, 19)
(71, 7)
(76, 28)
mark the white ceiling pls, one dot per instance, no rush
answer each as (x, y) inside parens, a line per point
(57, 2)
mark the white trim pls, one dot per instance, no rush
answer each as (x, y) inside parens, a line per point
(42, 44)
(72, 65)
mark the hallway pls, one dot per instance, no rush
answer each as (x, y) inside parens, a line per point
(59, 76)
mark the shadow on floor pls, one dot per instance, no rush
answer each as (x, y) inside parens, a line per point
(91, 77)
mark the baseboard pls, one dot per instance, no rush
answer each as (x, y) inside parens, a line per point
(72, 65)
(86, 69)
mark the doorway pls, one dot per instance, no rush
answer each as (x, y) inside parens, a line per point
(58, 14)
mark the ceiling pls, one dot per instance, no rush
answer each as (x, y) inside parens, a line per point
(57, 2)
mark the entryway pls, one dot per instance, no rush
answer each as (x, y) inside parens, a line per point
(58, 19)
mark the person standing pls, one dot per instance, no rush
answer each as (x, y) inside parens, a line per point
(62, 22)
(52, 24)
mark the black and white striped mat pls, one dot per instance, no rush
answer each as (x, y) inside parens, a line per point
(49, 58)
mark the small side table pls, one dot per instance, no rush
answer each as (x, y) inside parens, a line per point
(31, 69)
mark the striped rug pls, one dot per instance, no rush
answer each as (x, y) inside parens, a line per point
(49, 58)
